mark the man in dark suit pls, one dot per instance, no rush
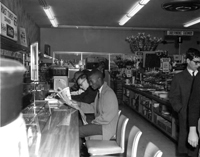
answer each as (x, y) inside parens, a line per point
(194, 113)
(179, 96)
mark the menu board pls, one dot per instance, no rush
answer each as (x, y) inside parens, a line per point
(34, 62)
(8, 22)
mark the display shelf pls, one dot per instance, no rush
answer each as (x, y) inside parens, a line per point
(153, 109)
(135, 103)
(167, 117)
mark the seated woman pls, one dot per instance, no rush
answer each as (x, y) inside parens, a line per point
(75, 89)
(88, 96)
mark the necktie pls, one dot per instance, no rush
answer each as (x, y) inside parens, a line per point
(193, 74)
(193, 77)
(97, 107)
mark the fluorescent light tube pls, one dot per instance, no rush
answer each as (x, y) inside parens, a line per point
(49, 12)
(123, 20)
(192, 22)
(54, 22)
(143, 2)
(134, 9)
(50, 16)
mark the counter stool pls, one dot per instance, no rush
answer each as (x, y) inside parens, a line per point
(100, 137)
(114, 136)
(152, 151)
(133, 140)
(104, 147)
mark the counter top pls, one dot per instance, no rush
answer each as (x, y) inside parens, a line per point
(60, 137)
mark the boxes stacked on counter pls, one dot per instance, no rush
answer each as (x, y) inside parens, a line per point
(52, 102)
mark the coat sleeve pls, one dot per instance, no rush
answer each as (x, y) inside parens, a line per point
(109, 109)
(175, 94)
(194, 103)
(87, 97)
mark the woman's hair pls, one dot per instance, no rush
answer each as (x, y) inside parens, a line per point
(83, 76)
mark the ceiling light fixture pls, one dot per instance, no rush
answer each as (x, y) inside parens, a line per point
(181, 5)
(123, 20)
(192, 22)
(50, 16)
(134, 9)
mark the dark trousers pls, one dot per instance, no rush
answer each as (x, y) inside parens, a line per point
(183, 146)
(88, 129)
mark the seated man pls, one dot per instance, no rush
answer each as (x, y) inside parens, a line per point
(105, 109)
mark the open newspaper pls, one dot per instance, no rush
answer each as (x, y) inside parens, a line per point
(65, 96)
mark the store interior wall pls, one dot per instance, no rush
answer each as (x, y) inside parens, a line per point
(92, 40)
(24, 20)
(109, 40)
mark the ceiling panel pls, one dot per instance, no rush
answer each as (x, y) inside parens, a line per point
(106, 13)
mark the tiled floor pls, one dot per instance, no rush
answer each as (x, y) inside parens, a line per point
(149, 133)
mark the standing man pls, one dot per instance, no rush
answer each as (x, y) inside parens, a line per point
(179, 97)
(194, 113)
(105, 109)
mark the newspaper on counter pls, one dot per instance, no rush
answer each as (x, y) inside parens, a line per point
(65, 96)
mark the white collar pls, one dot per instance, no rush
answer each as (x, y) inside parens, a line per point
(191, 72)
(100, 89)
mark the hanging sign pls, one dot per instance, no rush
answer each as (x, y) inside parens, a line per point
(180, 33)
(8, 22)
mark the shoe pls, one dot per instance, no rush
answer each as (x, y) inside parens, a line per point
(181, 155)
(84, 151)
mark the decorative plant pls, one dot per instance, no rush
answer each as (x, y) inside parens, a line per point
(143, 42)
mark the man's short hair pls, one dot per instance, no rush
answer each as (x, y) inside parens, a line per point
(97, 73)
(192, 53)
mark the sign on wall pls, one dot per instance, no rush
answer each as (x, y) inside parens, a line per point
(22, 36)
(8, 22)
(180, 33)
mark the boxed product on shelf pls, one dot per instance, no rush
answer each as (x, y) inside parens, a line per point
(164, 124)
(135, 103)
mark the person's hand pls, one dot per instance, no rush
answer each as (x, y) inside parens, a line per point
(76, 103)
(193, 137)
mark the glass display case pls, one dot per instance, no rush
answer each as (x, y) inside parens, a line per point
(36, 117)
(88, 60)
